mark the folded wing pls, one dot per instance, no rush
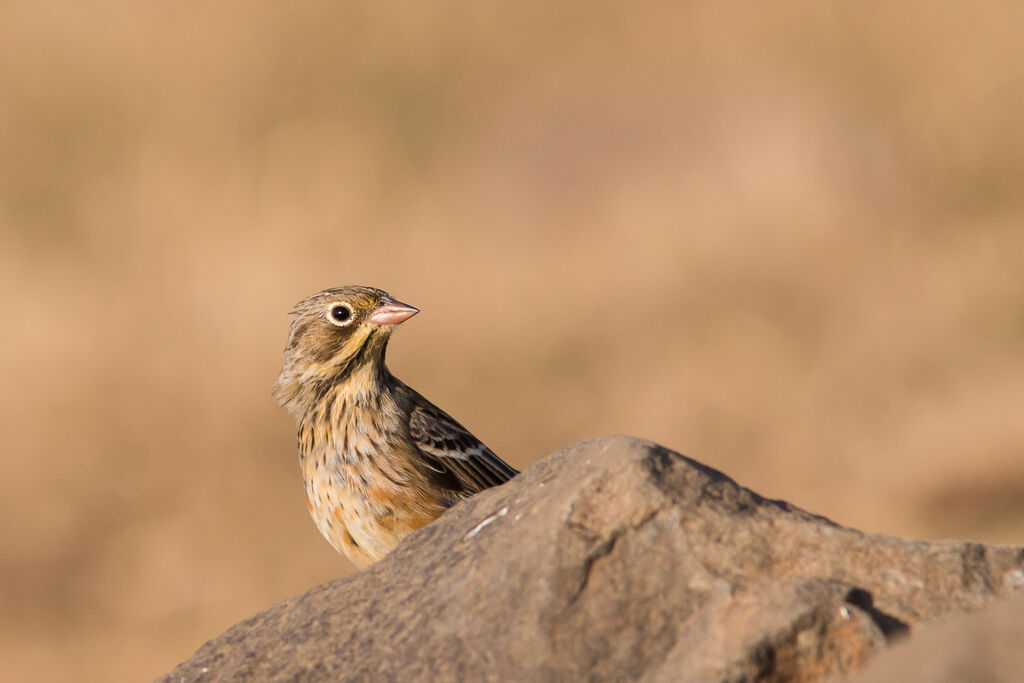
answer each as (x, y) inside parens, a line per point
(447, 446)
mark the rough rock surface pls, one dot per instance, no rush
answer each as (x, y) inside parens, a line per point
(615, 559)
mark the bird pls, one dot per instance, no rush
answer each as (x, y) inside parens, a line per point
(378, 459)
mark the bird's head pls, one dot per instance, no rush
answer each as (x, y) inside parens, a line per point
(335, 335)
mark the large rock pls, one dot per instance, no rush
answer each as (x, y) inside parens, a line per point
(614, 559)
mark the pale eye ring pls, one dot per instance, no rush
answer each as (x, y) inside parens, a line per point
(340, 314)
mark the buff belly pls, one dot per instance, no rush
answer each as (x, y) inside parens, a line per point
(360, 519)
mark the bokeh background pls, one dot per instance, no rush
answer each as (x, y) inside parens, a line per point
(784, 238)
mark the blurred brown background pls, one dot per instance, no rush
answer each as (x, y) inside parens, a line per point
(785, 239)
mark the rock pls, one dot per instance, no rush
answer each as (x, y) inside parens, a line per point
(982, 646)
(614, 559)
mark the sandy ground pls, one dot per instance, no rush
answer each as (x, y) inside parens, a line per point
(785, 239)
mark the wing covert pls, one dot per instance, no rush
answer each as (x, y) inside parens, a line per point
(446, 444)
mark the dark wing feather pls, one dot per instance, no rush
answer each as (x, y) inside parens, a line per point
(448, 446)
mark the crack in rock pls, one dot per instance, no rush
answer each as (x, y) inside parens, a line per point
(602, 549)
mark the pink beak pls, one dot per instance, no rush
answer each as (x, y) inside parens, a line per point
(391, 312)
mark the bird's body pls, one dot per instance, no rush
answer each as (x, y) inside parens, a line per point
(378, 460)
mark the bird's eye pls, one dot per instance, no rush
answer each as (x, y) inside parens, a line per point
(340, 314)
